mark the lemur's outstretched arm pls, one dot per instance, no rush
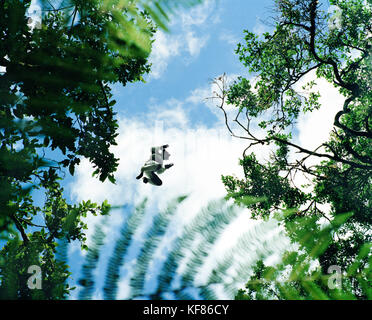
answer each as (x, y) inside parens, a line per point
(163, 168)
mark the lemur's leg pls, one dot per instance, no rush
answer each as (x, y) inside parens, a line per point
(155, 179)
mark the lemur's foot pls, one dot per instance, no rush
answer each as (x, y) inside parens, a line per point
(167, 166)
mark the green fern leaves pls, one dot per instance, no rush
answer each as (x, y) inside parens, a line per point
(174, 276)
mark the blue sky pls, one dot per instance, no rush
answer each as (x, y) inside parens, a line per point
(171, 108)
(199, 47)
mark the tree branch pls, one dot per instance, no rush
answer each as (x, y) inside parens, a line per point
(255, 140)
(18, 225)
(354, 88)
(346, 110)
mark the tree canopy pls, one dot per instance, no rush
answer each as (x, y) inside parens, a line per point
(306, 39)
(56, 107)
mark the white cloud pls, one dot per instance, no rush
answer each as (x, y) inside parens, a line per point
(34, 13)
(165, 47)
(187, 37)
(260, 27)
(168, 46)
(230, 38)
(203, 94)
(171, 114)
(199, 15)
(194, 43)
(314, 127)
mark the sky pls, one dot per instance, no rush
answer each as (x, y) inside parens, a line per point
(171, 108)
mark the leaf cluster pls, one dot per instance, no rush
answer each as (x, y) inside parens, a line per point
(299, 277)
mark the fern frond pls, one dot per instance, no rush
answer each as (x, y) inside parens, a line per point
(121, 247)
(293, 278)
(153, 237)
(91, 261)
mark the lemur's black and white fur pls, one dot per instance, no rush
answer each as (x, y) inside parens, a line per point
(155, 165)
